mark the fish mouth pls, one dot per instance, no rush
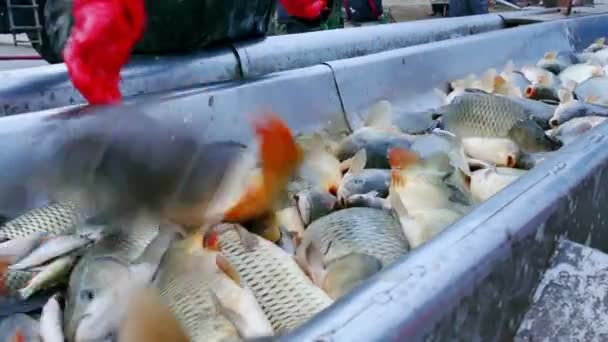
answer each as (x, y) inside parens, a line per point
(80, 335)
(303, 207)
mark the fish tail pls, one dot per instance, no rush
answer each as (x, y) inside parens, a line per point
(551, 55)
(397, 180)
(280, 156)
(400, 158)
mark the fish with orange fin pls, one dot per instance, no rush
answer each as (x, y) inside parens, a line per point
(252, 199)
(377, 136)
(420, 196)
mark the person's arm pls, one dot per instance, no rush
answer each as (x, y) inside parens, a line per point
(305, 9)
(100, 43)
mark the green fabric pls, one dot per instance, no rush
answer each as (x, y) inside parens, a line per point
(178, 25)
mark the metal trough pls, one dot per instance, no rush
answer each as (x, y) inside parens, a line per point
(47, 87)
(475, 280)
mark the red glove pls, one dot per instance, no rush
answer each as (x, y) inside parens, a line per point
(306, 9)
(101, 41)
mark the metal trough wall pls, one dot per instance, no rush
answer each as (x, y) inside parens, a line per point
(45, 87)
(474, 281)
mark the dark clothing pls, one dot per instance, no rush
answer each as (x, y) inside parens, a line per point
(459, 8)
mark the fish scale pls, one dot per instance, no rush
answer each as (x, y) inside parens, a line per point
(56, 218)
(189, 295)
(482, 115)
(285, 293)
(374, 232)
(120, 247)
(12, 281)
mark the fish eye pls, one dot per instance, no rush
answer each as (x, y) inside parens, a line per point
(87, 295)
(359, 181)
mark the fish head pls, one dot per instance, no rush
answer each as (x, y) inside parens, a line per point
(498, 151)
(358, 184)
(313, 204)
(567, 111)
(530, 137)
(93, 302)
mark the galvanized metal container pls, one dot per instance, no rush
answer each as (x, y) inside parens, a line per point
(472, 282)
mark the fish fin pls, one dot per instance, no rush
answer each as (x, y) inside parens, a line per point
(509, 67)
(4, 270)
(358, 162)
(280, 157)
(380, 115)
(592, 99)
(443, 97)
(149, 319)
(551, 55)
(268, 227)
(499, 81)
(349, 271)
(345, 165)
(397, 180)
(600, 41)
(314, 265)
(225, 266)
(400, 158)
(569, 85)
(397, 204)
(322, 168)
(211, 240)
(469, 80)
(17, 336)
(565, 95)
(597, 70)
(244, 313)
(487, 80)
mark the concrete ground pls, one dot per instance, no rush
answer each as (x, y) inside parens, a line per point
(8, 49)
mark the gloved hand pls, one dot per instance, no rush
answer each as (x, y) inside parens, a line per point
(100, 43)
(305, 9)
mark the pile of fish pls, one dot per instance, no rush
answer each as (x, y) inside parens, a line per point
(352, 206)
